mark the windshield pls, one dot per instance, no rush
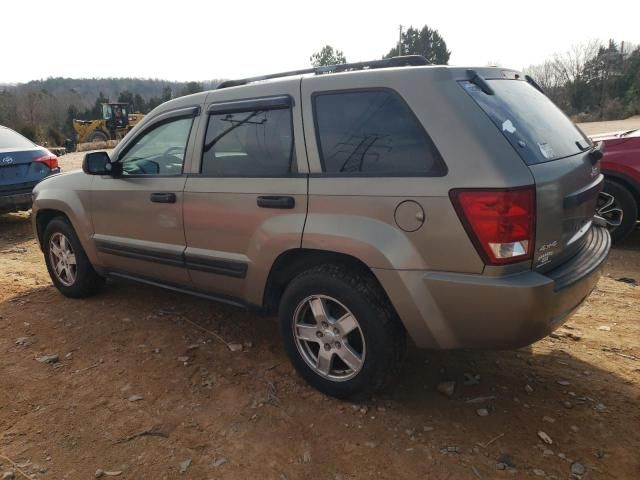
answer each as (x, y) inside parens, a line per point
(11, 139)
(106, 111)
(536, 128)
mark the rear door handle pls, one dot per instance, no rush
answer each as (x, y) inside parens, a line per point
(163, 197)
(269, 201)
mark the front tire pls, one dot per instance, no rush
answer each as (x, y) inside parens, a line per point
(67, 263)
(340, 331)
(625, 201)
(97, 136)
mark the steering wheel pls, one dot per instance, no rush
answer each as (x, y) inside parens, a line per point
(168, 151)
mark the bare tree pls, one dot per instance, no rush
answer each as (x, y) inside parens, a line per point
(570, 65)
(546, 75)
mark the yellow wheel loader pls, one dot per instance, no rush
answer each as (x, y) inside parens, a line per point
(116, 121)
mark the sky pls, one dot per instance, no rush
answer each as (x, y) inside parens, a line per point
(203, 40)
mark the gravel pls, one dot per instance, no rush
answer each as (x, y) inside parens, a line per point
(447, 388)
(545, 438)
(578, 469)
(219, 462)
(184, 466)
(48, 359)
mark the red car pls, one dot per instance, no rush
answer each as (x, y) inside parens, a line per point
(621, 169)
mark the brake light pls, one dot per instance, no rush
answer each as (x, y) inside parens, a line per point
(500, 222)
(50, 160)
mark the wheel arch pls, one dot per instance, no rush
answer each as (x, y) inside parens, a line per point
(626, 182)
(43, 218)
(293, 262)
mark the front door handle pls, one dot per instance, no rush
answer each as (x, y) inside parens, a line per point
(163, 197)
(269, 201)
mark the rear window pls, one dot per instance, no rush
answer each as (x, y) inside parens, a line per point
(536, 128)
(11, 139)
(373, 133)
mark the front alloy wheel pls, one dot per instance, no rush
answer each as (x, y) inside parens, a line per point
(329, 338)
(610, 211)
(67, 263)
(63, 259)
(618, 207)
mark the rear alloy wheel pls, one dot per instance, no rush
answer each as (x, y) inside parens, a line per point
(329, 338)
(340, 331)
(618, 207)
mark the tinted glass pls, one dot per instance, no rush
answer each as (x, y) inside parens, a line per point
(253, 143)
(537, 129)
(373, 133)
(159, 151)
(11, 139)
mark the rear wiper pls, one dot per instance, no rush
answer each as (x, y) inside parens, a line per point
(480, 82)
(581, 147)
(534, 84)
(628, 132)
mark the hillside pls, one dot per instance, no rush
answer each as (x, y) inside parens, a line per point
(43, 109)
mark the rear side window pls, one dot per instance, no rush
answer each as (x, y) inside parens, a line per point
(373, 133)
(249, 143)
(536, 128)
(11, 139)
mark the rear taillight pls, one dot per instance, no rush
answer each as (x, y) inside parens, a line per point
(500, 222)
(50, 160)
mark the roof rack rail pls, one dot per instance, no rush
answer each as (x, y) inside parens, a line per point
(404, 61)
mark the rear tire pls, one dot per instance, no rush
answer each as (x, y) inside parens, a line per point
(67, 263)
(363, 338)
(624, 200)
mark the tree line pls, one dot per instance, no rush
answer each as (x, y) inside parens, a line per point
(413, 41)
(591, 81)
(43, 110)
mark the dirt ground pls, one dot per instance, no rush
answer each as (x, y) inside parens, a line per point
(144, 389)
(592, 128)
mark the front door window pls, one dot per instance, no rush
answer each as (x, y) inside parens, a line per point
(160, 151)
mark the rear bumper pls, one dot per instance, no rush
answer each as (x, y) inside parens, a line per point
(453, 310)
(15, 202)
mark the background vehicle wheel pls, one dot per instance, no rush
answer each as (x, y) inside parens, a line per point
(340, 331)
(623, 201)
(67, 263)
(97, 136)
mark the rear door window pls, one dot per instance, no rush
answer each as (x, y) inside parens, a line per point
(373, 133)
(532, 123)
(254, 142)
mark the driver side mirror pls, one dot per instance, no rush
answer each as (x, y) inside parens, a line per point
(99, 163)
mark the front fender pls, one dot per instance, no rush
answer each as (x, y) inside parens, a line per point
(69, 194)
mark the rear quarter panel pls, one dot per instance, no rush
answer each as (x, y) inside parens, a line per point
(355, 215)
